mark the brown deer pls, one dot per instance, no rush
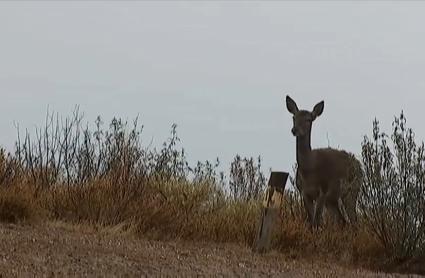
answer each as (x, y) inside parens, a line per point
(324, 176)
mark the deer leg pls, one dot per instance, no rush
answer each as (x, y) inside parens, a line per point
(319, 210)
(309, 207)
(332, 205)
(350, 200)
(350, 208)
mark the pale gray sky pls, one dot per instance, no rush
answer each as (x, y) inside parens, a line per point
(219, 70)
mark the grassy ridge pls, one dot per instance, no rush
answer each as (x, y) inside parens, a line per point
(107, 178)
(170, 210)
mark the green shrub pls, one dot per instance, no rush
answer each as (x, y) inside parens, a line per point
(392, 199)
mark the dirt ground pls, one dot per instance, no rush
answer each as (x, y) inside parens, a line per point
(60, 250)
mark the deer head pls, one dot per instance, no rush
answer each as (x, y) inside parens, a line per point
(303, 119)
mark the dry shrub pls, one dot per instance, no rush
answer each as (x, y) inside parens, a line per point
(332, 242)
(157, 209)
(18, 204)
(234, 222)
(393, 193)
(197, 211)
(247, 181)
(99, 202)
(291, 231)
(349, 245)
(106, 176)
(172, 209)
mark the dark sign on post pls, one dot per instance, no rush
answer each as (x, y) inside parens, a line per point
(272, 202)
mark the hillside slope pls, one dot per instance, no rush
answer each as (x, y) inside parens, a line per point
(60, 250)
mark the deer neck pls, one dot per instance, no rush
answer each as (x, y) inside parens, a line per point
(304, 153)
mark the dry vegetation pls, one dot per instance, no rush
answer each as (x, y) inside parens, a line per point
(106, 177)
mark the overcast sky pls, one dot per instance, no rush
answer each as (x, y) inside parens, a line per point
(219, 70)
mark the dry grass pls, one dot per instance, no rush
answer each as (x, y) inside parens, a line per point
(18, 204)
(181, 210)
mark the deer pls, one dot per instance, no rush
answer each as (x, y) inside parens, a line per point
(326, 176)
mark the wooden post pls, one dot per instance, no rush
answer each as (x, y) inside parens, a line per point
(272, 202)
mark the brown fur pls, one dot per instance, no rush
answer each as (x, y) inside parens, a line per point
(336, 174)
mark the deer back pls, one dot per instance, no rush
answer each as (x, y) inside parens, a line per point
(330, 171)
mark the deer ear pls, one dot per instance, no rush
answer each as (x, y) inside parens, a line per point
(318, 109)
(291, 105)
